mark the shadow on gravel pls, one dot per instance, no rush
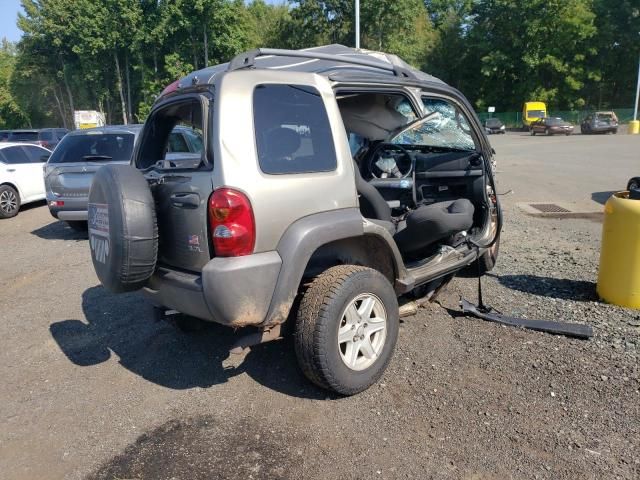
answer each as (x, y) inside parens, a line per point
(161, 353)
(59, 230)
(601, 197)
(576, 290)
(204, 447)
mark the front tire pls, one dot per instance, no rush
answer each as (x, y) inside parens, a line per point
(346, 328)
(634, 184)
(489, 258)
(9, 201)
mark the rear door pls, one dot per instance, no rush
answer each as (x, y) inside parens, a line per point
(181, 182)
(19, 170)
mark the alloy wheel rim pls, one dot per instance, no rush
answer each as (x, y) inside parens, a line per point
(362, 331)
(8, 201)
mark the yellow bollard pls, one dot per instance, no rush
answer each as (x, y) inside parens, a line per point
(619, 273)
(634, 127)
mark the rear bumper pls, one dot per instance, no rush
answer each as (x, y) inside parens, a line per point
(73, 208)
(232, 291)
(602, 129)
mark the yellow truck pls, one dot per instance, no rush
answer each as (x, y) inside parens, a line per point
(533, 111)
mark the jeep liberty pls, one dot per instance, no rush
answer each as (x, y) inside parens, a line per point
(332, 182)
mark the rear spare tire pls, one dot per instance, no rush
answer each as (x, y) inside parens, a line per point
(123, 233)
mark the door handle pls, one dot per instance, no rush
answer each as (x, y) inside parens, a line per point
(11, 169)
(185, 200)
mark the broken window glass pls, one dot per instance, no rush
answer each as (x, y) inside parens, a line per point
(443, 125)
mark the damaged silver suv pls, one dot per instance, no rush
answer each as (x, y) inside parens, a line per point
(333, 181)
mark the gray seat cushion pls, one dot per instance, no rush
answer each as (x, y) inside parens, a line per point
(433, 223)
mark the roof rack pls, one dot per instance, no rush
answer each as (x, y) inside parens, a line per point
(247, 60)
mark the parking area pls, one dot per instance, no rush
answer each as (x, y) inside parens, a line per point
(93, 387)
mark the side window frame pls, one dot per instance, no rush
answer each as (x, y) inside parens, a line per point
(477, 132)
(206, 100)
(19, 149)
(475, 136)
(33, 148)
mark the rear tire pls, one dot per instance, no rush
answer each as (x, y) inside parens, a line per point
(9, 201)
(634, 184)
(342, 300)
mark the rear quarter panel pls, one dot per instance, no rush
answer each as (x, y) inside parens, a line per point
(277, 200)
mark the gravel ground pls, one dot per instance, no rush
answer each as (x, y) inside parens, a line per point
(94, 388)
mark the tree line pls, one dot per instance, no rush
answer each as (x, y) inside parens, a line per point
(117, 55)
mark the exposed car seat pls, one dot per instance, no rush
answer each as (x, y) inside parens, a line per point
(423, 226)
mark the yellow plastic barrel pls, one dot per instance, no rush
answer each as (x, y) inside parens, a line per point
(619, 273)
(634, 126)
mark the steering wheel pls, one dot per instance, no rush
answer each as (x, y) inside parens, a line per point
(379, 166)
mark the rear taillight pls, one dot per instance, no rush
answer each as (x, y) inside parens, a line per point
(233, 228)
(56, 203)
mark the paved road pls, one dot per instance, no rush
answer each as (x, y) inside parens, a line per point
(581, 169)
(94, 388)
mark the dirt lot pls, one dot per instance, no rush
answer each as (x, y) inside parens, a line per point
(94, 388)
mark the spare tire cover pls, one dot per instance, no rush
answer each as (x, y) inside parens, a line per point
(123, 232)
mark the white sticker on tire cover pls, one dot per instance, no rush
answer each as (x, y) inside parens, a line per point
(98, 219)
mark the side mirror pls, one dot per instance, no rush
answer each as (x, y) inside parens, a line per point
(45, 157)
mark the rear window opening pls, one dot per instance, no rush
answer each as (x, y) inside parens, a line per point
(94, 147)
(173, 137)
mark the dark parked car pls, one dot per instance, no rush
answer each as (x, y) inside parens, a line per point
(551, 126)
(45, 137)
(70, 169)
(50, 137)
(600, 122)
(494, 125)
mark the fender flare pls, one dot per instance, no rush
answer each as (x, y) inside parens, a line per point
(305, 236)
(298, 243)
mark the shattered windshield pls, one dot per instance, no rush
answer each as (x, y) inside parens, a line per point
(442, 126)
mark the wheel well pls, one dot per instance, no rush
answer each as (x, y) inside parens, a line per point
(366, 250)
(15, 187)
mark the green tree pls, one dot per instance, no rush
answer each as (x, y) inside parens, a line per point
(11, 114)
(400, 27)
(267, 23)
(613, 58)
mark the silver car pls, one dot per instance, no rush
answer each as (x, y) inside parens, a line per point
(70, 169)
